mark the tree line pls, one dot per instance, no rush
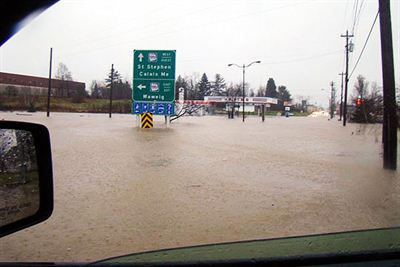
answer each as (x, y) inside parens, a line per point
(197, 88)
(367, 103)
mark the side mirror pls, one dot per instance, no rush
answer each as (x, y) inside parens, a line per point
(26, 176)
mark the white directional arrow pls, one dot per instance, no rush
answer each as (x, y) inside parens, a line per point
(140, 56)
(141, 86)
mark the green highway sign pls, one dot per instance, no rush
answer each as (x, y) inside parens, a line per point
(153, 76)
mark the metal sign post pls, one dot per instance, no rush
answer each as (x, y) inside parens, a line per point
(168, 121)
(137, 120)
(263, 112)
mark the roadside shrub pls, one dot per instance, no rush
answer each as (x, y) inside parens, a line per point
(31, 107)
(78, 99)
(121, 107)
(2, 106)
(11, 90)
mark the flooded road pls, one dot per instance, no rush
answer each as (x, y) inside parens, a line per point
(120, 189)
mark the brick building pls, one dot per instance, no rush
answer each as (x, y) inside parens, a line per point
(16, 84)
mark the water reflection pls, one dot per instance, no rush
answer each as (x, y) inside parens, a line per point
(19, 181)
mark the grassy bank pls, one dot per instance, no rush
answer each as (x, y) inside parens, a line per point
(85, 105)
(20, 103)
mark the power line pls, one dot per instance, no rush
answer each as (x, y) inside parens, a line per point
(276, 62)
(355, 8)
(112, 33)
(356, 19)
(345, 14)
(93, 36)
(92, 49)
(365, 44)
(305, 58)
(359, 14)
(354, 12)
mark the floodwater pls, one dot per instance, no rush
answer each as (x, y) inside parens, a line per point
(120, 189)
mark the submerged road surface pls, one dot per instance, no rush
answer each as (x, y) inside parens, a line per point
(120, 189)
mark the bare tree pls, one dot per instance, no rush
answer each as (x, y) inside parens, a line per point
(187, 109)
(64, 75)
(260, 91)
(191, 92)
(369, 104)
(252, 93)
(360, 87)
(234, 90)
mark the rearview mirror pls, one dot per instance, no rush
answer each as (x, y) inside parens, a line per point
(26, 176)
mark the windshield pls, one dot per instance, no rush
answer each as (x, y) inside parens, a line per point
(180, 123)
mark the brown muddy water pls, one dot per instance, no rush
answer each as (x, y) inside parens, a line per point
(120, 189)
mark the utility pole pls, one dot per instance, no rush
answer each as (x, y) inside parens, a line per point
(347, 76)
(49, 90)
(244, 67)
(389, 128)
(333, 99)
(111, 88)
(341, 98)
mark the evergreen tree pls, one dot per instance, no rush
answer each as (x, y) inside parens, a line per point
(219, 86)
(121, 90)
(204, 87)
(271, 88)
(117, 77)
(283, 93)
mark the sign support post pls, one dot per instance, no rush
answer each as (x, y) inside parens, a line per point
(263, 112)
(137, 121)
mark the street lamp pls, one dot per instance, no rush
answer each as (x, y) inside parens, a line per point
(244, 66)
(331, 100)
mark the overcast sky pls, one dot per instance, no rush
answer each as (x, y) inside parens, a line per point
(298, 42)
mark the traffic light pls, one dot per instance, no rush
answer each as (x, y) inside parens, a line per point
(359, 102)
